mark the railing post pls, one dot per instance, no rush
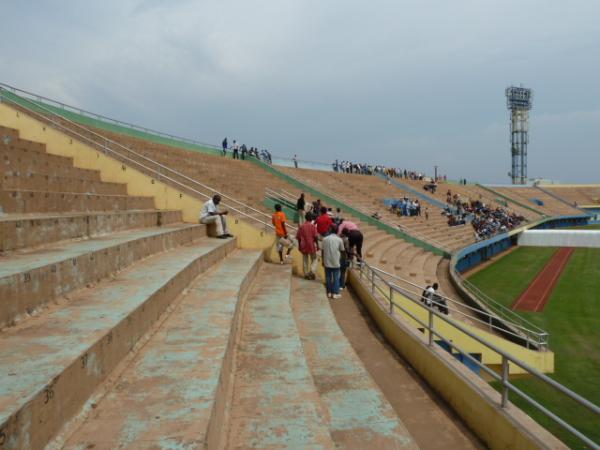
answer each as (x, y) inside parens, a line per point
(504, 381)
(391, 300)
(430, 326)
(372, 281)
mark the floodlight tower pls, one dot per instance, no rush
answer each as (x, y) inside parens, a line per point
(519, 102)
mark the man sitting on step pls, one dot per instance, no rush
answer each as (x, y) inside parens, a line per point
(210, 214)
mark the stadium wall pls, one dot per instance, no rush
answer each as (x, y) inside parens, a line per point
(474, 254)
(560, 238)
(471, 397)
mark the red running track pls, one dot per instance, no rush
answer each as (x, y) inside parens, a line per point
(536, 296)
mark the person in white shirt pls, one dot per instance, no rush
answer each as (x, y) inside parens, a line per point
(210, 214)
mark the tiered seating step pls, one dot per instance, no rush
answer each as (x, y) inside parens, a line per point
(51, 364)
(171, 394)
(275, 402)
(30, 279)
(31, 230)
(27, 201)
(356, 412)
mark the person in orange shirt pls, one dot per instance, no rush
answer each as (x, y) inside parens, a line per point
(281, 235)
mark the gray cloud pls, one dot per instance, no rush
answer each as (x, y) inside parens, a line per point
(408, 83)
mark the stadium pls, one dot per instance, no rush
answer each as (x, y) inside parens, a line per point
(299, 225)
(125, 324)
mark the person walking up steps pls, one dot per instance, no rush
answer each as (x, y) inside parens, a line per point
(210, 214)
(308, 244)
(333, 246)
(281, 235)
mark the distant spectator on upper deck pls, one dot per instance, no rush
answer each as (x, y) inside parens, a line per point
(224, 145)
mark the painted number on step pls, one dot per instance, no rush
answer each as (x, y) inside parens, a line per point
(48, 394)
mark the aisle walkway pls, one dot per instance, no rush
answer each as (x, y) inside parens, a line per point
(429, 420)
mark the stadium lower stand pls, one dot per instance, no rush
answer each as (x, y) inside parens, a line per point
(125, 325)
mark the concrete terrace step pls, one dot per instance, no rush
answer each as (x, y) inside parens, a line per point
(26, 201)
(275, 403)
(51, 364)
(29, 280)
(15, 160)
(20, 231)
(50, 183)
(356, 412)
(189, 357)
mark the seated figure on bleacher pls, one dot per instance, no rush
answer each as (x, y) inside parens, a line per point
(210, 214)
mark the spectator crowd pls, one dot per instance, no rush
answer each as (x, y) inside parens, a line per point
(486, 222)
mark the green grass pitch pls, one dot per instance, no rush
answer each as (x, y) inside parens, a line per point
(572, 317)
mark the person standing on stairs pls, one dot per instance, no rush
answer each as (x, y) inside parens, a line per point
(300, 205)
(324, 222)
(332, 246)
(308, 244)
(210, 214)
(281, 235)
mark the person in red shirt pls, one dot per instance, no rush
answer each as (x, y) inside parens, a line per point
(281, 236)
(308, 245)
(323, 222)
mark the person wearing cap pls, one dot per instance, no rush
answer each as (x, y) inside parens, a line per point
(210, 214)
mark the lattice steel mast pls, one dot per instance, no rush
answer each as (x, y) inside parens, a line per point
(519, 102)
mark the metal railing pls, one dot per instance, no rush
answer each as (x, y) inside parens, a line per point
(408, 231)
(103, 143)
(531, 335)
(505, 314)
(41, 99)
(385, 290)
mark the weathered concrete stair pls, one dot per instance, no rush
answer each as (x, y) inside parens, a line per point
(20, 231)
(275, 403)
(357, 414)
(30, 279)
(173, 393)
(52, 363)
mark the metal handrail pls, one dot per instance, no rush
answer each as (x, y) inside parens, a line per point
(495, 305)
(367, 272)
(145, 158)
(538, 337)
(83, 112)
(105, 148)
(162, 166)
(412, 233)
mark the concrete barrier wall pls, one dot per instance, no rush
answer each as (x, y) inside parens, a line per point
(470, 396)
(560, 238)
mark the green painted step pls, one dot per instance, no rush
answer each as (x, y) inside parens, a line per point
(171, 393)
(51, 364)
(357, 413)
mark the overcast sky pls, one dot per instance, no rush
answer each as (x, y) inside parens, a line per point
(404, 83)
